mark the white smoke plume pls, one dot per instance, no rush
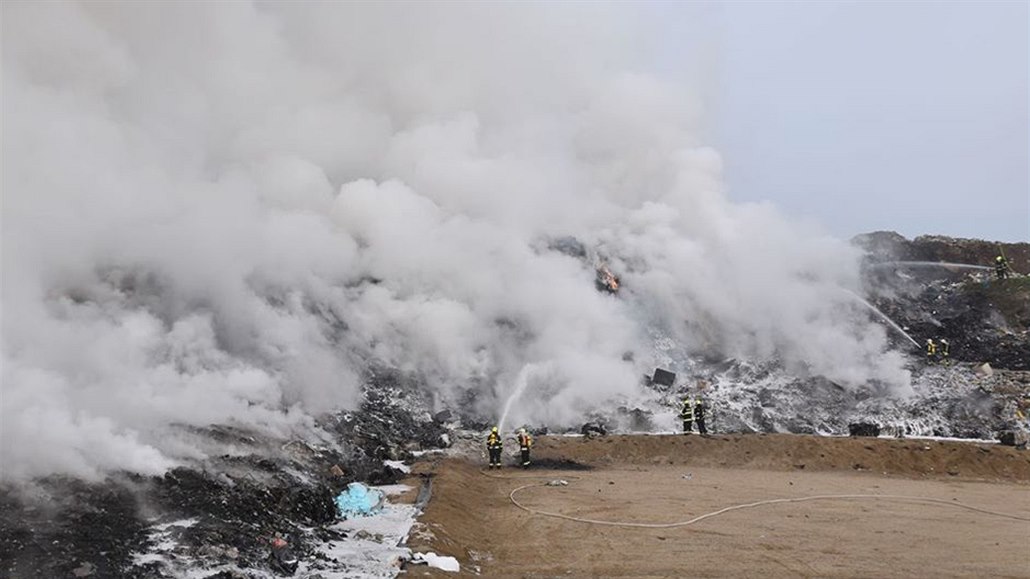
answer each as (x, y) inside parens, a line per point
(223, 212)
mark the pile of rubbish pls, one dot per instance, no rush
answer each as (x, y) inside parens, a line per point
(958, 400)
(264, 505)
(980, 390)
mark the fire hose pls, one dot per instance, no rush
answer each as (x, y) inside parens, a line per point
(700, 518)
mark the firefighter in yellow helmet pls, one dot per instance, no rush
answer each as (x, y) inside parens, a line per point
(699, 416)
(493, 446)
(687, 414)
(931, 350)
(525, 442)
(1001, 267)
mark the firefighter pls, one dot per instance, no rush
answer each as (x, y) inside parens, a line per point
(699, 416)
(525, 442)
(943, 349)
(1001, 267)
(931, 350)
(687, 414)
(493, 446)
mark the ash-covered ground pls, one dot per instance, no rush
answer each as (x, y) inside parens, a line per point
(218, 517)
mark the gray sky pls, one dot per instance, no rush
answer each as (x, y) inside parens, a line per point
(865, 116)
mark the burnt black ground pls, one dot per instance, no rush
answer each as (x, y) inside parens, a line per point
(559, 464)
(281, 489)
(68, 523)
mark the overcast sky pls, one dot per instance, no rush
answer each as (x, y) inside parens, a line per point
(865, 116)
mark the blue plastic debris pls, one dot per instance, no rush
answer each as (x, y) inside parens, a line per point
(359, 500)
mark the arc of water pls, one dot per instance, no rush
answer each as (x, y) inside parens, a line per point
(521, 381)
(946, 264)
(883, 317)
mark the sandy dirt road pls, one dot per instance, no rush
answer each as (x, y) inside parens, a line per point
(654, 479)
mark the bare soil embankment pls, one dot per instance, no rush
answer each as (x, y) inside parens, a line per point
(666, 479)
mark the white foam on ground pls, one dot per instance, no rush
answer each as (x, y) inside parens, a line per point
(162, 543)
(393, 490)
(941, 438)
(378, 554)
(182, 523)
(397, 465)
(438, 561)
(418, 453)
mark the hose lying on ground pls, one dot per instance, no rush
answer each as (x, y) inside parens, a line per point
(752, 505)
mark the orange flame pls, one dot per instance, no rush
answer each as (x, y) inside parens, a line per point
(608, 278)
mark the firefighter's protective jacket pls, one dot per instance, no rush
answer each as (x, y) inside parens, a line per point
(688, 409)
(493, 440)
(525, 441)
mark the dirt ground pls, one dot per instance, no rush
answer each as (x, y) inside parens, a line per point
(665, 479)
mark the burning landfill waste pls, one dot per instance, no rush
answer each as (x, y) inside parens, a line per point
(606, 280)
(239, 280)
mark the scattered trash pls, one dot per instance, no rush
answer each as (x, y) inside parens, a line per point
(359, 500)
(863, 429)
(437, 561)
(281, 559)
(688, 476)
(397, 465)
(335, 470)
(558, 483)
(591, 429)
(985, 370)
(1013, 438)
(84, 570)
(663, 377)
(300, 445)
(367, 536)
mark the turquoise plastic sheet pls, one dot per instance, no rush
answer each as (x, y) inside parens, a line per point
(359, 501)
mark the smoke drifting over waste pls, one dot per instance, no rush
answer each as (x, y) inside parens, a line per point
(224, 212)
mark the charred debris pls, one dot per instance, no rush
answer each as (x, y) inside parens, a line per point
(262, 505)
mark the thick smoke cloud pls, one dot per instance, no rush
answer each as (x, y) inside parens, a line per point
(224, 212)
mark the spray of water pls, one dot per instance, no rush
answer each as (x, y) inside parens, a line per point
(929, 264)
(520, 386)
(883, 317)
